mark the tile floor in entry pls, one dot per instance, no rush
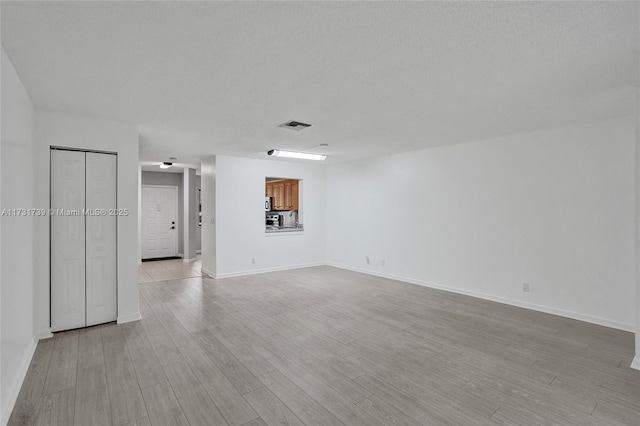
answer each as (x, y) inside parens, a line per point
(164, 270)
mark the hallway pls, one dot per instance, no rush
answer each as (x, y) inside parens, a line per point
(164, 270)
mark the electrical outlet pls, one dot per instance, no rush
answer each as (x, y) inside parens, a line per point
(253, 260)
(525, 287)
(366, 259)
(382, 262)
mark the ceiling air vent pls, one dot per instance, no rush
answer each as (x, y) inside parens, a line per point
(294, 125)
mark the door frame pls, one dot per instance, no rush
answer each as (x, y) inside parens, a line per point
(174, 187)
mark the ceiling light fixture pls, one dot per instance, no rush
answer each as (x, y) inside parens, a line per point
(293, 154)
(166, 165)
(294, 125)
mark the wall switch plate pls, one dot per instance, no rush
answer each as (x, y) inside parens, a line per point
(525, 287)
(366, 259)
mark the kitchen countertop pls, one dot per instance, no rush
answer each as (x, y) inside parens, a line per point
(277, 229)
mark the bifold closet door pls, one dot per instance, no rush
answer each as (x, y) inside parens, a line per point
(83, 239)
(67, 240)
(101, 281)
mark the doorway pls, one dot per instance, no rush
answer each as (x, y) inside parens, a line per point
(159, 221)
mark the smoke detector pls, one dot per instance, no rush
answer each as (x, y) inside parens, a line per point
(294, 125)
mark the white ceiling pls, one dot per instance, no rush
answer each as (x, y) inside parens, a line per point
(205, 78)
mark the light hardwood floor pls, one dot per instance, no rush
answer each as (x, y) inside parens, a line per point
(164, 270)
(324, 346)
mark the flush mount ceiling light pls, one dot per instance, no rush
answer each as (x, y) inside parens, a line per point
(165, 165)
(294, 125)
(293, 154)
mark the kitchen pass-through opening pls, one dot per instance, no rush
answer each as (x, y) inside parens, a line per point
(283, 205)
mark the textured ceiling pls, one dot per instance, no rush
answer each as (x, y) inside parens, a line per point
(205, 78)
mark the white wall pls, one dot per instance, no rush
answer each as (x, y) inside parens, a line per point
(240, 217)
(139, 214)
(190, 216)
(198, 228)
(208, 182)
(17, 340)
(71, 131)
(553, 208)
(636, 361)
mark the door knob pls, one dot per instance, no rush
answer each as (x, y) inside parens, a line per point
(173, 223)
(173, 227)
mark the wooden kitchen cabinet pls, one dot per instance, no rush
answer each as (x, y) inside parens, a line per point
(291, 194)
(284, 193)
(278, 196)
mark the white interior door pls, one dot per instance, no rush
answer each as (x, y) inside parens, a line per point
(101, 268)
(159, 221)
(67, 240)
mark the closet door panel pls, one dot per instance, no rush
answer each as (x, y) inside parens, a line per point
(67, 240)
(101, 268)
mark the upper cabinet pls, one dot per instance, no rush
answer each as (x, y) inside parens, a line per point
(291, 194)
(284, 193)
(278, 196)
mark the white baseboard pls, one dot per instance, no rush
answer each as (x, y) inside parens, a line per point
(12, 397)
(198, 251)
(265, 270)
(44, 334)
(540, 308)
(206, 271)
(636, 362)
(193, 259)
(535, 307)
(129, 318)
